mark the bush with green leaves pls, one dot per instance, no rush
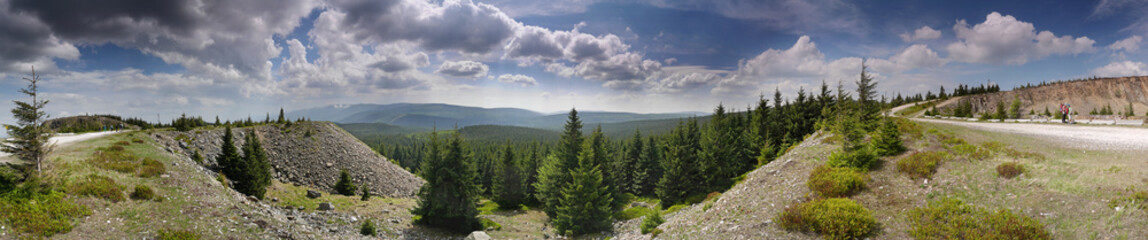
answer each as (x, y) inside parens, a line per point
(951, 218)
(652, 222)
(833, 218)
(143, 192)
(829, 181)
(344, 186)
(151, 168)
(98, 186)
(970, 152)
(921, 164)
(165, 234)
(862, 159)
(38, 211)
(1009, 170)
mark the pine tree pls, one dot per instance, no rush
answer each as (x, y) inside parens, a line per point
(1046, 112)
(344, 186)
(681, 177)
(529, 167)
(586, 202)
(651, 165)
(866, 93)
(507, 189)
(1001, 114)
(254, 169)
(28, 139)
(553, 175)
(448, 198)
(1014, 108)
(629, 171)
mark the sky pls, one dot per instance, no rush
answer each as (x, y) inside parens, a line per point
(240, 58)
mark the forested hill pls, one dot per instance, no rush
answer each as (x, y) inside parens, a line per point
(445, 116)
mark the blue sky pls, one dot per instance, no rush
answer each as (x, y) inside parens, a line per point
(249, 57)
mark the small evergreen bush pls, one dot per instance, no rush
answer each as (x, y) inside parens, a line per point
(834, 218)
(830, 181)
(98, 186)
(652, 222)
(366, 194)
(142, 192)
(1009, 170)
(862, 159)
(344, 186)
(368, 228)
(887, 140)
(921, 164)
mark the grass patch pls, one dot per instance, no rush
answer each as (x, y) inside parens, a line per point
(952, 219)
(151, 168)
(487, 207)
(921, 164)
(829, 181)
(39, 212)
(970, 152)
(165, 234)
(834, 218)
(1009, 170)
(98, 186)
(633, 212)
(1136, 199)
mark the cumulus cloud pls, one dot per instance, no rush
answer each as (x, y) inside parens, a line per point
(1130, 44)
(1122, 69)
(519, 79)
(573, 53)
(1002, 39)
(685, 78)
(467, 69)
(452, 25)
(923, 33)
(29, 41)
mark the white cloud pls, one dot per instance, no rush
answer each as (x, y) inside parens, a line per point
(923, 33)
(520, 79)
(605, 58)
(459, 25)
(467, 69)
(1122, 69)
(1002, 39)
(1130, 44)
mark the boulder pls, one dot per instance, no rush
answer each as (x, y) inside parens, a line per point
(312, 194)
(325, 207)
(478, 235)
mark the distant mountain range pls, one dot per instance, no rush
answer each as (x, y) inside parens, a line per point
(447, 116)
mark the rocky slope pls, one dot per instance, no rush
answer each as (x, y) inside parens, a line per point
(1082, 95)
(310, 154)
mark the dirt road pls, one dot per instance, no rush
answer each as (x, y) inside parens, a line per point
(1091, 137)
(61, 140)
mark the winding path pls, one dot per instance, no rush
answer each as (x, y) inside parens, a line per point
(63, 140)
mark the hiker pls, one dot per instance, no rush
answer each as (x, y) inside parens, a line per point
(1063, 114)
(1071, 119)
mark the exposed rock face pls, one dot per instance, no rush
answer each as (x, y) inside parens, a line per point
(1084, 96)
(309, 154)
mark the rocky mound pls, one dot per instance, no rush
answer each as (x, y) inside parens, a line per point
(310, 154)
(1084, 95)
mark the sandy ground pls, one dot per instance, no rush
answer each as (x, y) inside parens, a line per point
(62, 140)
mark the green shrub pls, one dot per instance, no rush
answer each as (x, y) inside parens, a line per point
(953, 141)
(198, 158)
(652, 222)
(151, 168)
(862, 159)
(921, 164)
(834, 218)
(952, 219)
(116, 148)
(165, 234)
(886, 140)
(368, 229)
(830, 181)
(366, 194)
(489, 224)
(143, 192)
(344, 186)
(1009, 170)
(676, 208)
(9, 177)
(137, 140)
(994, 146)
(123, 143)
(39, 212)
(115, 160)
(98, 186)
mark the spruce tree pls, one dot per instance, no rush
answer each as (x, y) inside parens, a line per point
(887, 140)
(507, 189)
(651, 168)
(28, 139)
(586, 202)
(629, 170)
(529, 167)
(681, 176)
(597, 143)
(228, 157)
(281, 119)
(448, 198)
(866, 93)
(553, 175)
(344, 186)
(254, 170)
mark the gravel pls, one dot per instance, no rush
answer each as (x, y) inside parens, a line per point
(1088, 137)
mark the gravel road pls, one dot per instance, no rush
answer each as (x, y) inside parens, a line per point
(1091, 137)
(61, 140)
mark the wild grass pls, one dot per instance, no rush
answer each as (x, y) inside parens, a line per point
(951, 218)
(37, 212)
(98, 186)
(921, 164)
